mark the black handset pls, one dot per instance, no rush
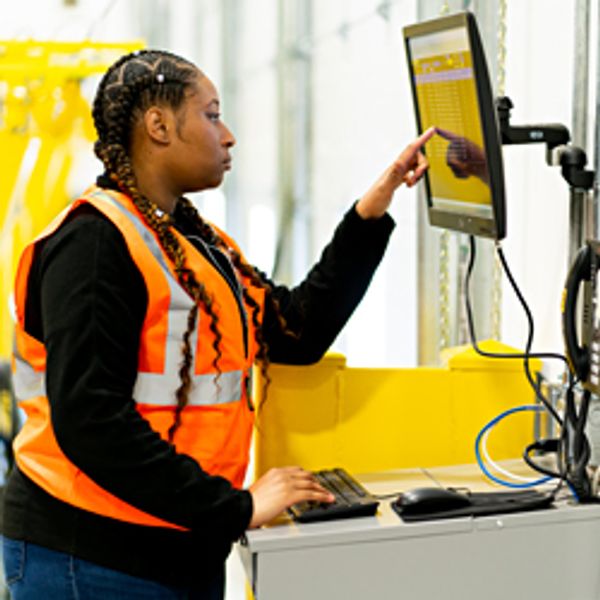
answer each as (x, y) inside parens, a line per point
(583, 355)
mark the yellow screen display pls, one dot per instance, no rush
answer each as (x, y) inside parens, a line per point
(447, 100)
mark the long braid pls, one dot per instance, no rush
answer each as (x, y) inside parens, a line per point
(209, 235)
(129, 87)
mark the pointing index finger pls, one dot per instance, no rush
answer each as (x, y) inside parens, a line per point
(424, 137)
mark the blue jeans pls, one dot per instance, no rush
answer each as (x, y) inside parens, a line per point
(33, 572)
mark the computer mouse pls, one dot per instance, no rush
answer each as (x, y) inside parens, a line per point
(430, 500)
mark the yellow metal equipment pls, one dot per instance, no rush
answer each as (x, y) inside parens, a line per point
(368, 420)
(44, 123)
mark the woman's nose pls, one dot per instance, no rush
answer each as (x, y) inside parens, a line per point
(228, 139)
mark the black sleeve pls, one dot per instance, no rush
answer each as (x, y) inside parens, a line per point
(93, 302)
(320, 306)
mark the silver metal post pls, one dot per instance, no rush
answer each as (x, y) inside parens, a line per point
(581, 203)
(230, 56)
(581, 73)
(577, 228)
(596, 163)
(294, 119)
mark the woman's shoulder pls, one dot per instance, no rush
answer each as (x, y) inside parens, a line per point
(85, 236)
(84, 224)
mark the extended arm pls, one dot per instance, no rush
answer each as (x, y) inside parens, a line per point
(319, 307)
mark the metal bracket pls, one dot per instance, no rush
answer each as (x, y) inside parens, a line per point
(559, 152)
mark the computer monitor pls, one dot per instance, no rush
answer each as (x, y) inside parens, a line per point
(451, 92)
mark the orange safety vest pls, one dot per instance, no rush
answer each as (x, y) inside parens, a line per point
(216, 426)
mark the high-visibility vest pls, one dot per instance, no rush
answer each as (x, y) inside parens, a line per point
(216, 424)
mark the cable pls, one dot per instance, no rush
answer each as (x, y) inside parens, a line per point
(527, 354)
(569, 485)
(575, 446)
(551, 355)
(573, 449)
(496, 466)
(541, 446)
(480, 462)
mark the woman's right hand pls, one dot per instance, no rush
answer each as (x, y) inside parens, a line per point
(408, 168)
(279, 488)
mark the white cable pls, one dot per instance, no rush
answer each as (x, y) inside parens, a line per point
(496, 466)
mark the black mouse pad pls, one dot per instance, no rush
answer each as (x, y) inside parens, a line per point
(484, 503)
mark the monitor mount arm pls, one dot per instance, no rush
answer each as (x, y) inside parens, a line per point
(572, 161)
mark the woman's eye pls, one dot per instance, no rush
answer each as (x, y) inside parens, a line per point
(213, 116)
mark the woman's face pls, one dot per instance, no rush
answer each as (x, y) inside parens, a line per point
(200, 152)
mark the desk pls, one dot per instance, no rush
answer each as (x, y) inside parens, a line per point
(551, 554)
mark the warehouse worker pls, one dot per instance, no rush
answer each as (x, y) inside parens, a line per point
(138, 323)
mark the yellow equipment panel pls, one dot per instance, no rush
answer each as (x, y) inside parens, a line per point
(366, 420)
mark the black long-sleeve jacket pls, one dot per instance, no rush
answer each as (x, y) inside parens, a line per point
(87, 301)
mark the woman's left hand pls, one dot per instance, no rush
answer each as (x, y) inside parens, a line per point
(408, 168)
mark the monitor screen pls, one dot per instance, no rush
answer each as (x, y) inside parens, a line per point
(451, 92)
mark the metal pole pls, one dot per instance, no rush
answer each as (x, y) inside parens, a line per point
(581, 74)
(577, 212)
(593, 208)
(294, 119)
(581, 202)
(230, 55)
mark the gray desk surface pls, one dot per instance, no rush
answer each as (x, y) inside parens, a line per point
(543, 554)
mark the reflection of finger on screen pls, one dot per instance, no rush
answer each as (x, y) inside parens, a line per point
(448, 135)
(459, 169)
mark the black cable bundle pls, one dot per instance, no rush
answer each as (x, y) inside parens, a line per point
(572, 448)
(575, 446)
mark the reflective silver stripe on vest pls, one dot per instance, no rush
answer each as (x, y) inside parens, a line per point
(158, 389)
(28, 383)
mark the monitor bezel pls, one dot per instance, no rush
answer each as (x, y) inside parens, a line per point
(495, 226)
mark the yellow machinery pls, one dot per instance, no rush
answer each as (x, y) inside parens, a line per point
(366, 420)
(44, 123)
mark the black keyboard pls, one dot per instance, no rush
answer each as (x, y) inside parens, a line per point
(351, 499)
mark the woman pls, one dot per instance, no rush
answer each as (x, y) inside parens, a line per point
(138, 324)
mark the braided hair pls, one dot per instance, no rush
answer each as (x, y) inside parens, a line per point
(133, 84)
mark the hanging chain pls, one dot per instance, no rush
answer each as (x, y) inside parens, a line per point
(444, 262)
(496, 316)
(444, 290)
(501, 57)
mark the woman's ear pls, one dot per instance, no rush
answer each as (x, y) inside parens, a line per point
(157, 125)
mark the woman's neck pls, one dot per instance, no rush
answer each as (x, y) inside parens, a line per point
(154, 186)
